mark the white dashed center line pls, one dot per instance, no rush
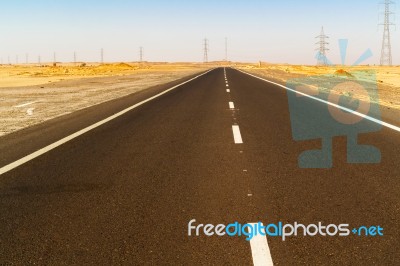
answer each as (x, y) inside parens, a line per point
(259, 245)
(236, 134)
(260, 249)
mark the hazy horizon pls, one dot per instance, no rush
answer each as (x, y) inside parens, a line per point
(173, 31)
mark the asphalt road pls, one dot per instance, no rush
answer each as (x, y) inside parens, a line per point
(124, 192)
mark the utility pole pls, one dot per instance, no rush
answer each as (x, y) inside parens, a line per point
(322, 49)
(39, 61)
(16, 59)
(140, 54)
(26, 58)
(102, 56)
(386, 52)
(226, 49)
(206, 50)
(9, 62)
(75, 58)
(54, 58)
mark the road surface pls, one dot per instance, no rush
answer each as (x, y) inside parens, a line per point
(213, 149)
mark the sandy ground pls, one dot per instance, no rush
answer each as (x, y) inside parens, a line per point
(32, 94)
(386, 79)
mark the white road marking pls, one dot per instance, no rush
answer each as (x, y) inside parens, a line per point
(228, 90)
(54, 145)
(231, 105)
(377, 121)
(227, 85)
(236, 134)
(24, 104)
(260, 249)
(30, 111)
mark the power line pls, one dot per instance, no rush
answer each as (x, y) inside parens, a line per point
(322, 49)
(206, 50)
(386, 52)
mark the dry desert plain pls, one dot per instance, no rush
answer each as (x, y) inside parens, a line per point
(31, 94)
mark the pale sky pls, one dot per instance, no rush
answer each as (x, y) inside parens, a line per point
(273, 31)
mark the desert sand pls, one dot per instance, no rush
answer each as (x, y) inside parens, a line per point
(32, 94)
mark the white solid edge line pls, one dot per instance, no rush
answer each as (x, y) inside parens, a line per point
(37, 153)
(260, 249)
(24, 104)
(237, 137)
(231, 105)
(377, 121)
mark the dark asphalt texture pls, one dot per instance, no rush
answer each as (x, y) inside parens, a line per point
(124, 192)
